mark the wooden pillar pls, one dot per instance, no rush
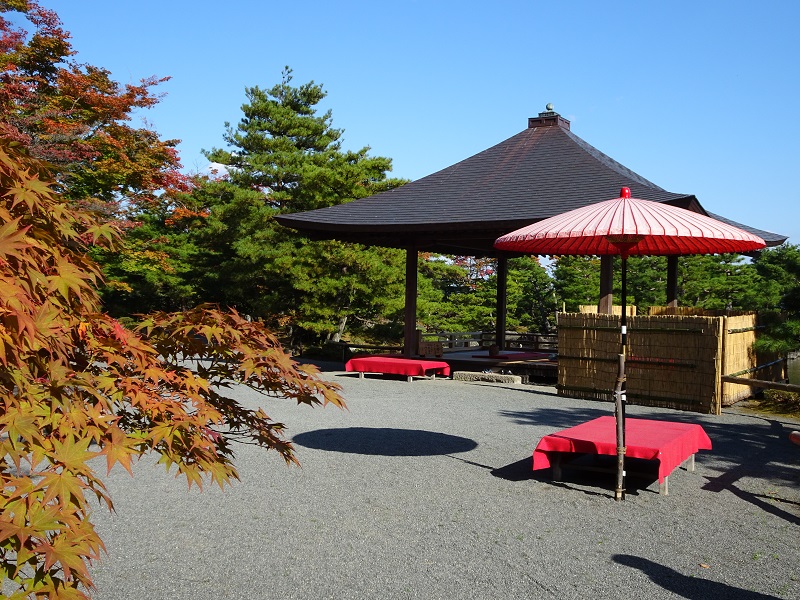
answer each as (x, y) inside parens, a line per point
(606, 284)
(502, 304)
(410, 314)
(672, 281)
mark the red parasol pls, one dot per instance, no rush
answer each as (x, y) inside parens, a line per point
(627, 226)
(661, 230)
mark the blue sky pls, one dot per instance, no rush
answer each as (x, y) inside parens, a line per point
(698, 96)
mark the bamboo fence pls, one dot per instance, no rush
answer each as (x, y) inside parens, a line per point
(676, 357)
(615, 310)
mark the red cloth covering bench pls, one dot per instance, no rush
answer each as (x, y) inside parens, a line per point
(668, 442)
(397, 365)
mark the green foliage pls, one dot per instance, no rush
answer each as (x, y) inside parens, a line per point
(283, 157)
(577, 281)
(460, 295)
(475, 310)
(338, 283)
(647, 281)
(76, 385)
(779, 269)
(531, 296)
(293, 155)
(440, 280)
(720, 281)
(712, 282)
(155, 271)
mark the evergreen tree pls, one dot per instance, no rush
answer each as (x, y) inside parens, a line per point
(717, 282)
(285, 157)
(439, 279)
(647, 281)
(779, 269)
(531, 301)
(576, 281)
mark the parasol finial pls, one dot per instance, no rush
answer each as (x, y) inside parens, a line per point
(625, 192)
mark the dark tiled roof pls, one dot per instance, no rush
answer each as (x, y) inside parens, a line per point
(772, 239)
(542, 171)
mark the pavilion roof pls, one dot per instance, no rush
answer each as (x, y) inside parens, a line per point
(540, 172)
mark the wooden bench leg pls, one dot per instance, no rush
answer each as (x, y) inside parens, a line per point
(555, 463)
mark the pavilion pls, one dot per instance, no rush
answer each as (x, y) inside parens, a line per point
(540, 172)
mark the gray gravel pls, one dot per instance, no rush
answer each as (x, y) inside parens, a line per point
(424, 490)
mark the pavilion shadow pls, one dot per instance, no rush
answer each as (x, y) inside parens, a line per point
(385, 441)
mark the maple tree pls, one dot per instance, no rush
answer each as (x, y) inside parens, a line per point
(76, 385)
(78, 118)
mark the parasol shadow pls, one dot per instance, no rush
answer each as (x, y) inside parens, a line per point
(384, 441)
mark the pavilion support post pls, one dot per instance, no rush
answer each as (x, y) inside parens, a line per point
(606, 284)
(410, 314)
(502, 305)
(672, 281)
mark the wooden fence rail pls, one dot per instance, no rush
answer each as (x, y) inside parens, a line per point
(763, 384)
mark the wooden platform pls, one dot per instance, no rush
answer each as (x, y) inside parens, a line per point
(540, 366)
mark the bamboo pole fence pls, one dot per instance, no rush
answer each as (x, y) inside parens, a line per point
(676, 357)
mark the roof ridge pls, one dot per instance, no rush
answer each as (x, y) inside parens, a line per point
(607, 161)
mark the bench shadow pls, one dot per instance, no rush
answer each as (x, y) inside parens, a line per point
(638, 480)
(384, 441)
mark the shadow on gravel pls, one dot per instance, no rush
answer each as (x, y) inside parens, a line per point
(685, 586)
(759, 450)
(556, 418)
(384, 441)
(522, 470)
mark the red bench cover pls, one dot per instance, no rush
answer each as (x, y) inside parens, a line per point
(397, 365)
(666, 441)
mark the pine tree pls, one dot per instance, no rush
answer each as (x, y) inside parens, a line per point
(577, 281)
(779, 269)
(531, 295)
(285, 157)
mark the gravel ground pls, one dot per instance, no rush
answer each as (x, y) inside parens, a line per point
(424, 490)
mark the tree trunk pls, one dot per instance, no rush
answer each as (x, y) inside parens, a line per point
(337, 337)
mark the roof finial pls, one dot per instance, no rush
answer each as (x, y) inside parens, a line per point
(548, 118)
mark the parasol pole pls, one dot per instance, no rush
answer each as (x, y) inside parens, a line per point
(624, 243)
(619, 389)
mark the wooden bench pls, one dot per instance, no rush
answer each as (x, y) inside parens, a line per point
(397, 365)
